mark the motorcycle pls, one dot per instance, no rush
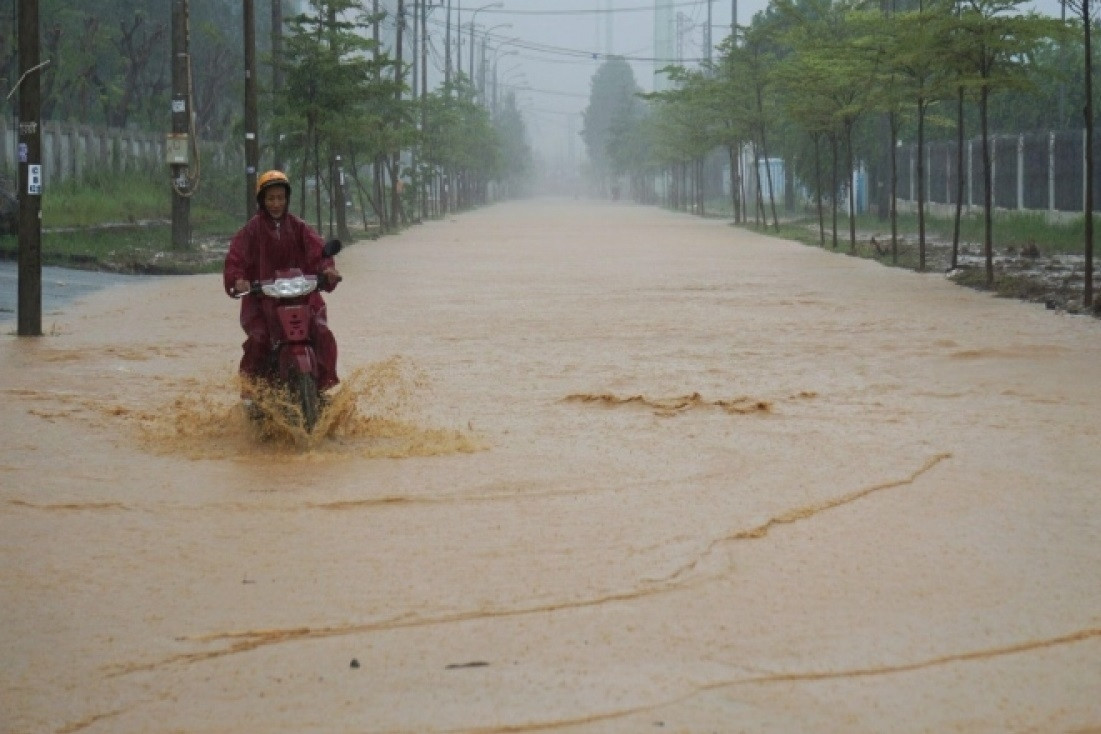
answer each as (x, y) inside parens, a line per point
(293, 359)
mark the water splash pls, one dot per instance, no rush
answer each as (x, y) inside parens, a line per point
(373, 413)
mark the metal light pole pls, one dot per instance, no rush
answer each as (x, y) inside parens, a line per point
(484, 67)
(497, 56)
(472, 17)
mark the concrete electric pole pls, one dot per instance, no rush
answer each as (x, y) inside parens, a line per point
(252, 144)
(30, 173)
(181, 124)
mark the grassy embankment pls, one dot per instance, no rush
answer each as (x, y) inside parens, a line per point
(1021, 235)
(123, 224)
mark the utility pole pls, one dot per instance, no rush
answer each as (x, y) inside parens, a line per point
(277, 76)
(609, 28)
(380, 158)
(30, 173)
(424, 96)
(181, 125)
(707, 36)
(415, 89)
(252, 145)
(447, 46)
(397, 212)
(415, 86)
(734, 20)
(1087, 292)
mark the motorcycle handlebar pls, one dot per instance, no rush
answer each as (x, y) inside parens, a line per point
(331, 248)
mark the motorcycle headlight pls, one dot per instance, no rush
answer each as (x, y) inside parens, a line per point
(289, 287)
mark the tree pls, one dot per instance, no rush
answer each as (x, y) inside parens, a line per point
(329, 81)
(1084, 9)
(613, 104)
(1001, 44)
(920, 46)
(515, 154)
(828, 37)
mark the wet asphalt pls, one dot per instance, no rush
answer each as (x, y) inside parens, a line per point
(60, 287)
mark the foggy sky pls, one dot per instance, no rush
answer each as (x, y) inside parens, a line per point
(550, 49)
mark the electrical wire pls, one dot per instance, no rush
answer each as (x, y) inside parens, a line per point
(576, 52)
(592, 11)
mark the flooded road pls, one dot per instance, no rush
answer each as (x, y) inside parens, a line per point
(611, 469)
(60, 288)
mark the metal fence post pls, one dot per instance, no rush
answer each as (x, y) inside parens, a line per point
(1020, 172)
(1051, 171)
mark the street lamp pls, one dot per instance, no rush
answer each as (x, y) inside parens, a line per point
(472, 17)
(485, 67)
(497, 56)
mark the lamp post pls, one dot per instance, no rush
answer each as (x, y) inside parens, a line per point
(484, 67)
(514, 81)
(496, 58)
(472, 17)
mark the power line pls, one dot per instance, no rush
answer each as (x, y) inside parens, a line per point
(591, 11)
(577, 52)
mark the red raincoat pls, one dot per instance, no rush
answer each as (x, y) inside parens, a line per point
(261, 247)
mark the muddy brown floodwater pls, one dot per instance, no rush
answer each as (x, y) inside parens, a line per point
(595, 468)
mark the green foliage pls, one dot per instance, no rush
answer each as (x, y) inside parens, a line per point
(110, 61)
(613, 112)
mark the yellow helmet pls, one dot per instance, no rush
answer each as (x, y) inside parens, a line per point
(269, 179)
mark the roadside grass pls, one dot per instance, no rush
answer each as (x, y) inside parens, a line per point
(122, 223)
(1013, 233)
(1011, 229)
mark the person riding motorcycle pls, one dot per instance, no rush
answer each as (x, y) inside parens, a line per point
(274, 239)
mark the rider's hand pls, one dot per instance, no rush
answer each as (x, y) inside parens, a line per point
(241, 286)
(332, 277)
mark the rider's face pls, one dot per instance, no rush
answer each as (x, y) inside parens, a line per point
(275, 201)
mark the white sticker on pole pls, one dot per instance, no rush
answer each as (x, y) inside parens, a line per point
(34, 180)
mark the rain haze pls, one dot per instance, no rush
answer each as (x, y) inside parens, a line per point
(547, 51)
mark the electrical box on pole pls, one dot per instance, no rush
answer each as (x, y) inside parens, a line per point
(178, 142)
(30, 173)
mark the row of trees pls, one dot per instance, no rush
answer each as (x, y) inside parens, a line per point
(333, 92)
(832, 84)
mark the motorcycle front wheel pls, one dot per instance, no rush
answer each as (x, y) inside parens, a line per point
(309, 400)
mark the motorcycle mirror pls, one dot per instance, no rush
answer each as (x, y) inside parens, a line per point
(332, 247)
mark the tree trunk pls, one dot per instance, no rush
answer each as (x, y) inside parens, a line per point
(735, 184)
(1087, 293)
(852, 187)
(959, 179)
(833, 193)
(818, 189)
(771, 188)
(894, 188)
(988, 191)
(759, 215)
(921, 181)
(768, 167)
(396, 213)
